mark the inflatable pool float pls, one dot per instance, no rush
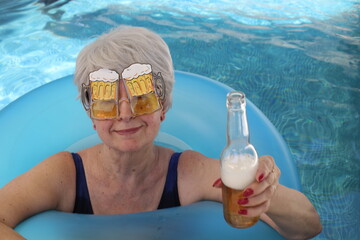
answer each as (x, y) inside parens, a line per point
(51, 119)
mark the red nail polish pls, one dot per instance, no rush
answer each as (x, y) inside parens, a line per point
(248, 192)
(242, 201)
(261, 177)
(242, 211)
(217, 183)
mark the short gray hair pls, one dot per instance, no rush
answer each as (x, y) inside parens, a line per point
(122, 47)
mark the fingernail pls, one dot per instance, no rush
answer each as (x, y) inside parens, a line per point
(261, 177)
(217, 183)
(242, 211)
(242, 201)
(248, 192)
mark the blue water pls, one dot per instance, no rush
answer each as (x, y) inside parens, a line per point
(298, 61)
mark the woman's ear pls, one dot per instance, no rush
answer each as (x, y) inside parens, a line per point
(162, 117)
(94, 126)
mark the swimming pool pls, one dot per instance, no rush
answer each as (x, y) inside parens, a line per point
(298, 61)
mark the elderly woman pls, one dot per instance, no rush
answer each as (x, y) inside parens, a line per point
(125, 79)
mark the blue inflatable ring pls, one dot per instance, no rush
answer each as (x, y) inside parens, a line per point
(51, 119)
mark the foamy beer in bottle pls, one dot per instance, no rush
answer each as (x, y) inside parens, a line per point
(239, 161)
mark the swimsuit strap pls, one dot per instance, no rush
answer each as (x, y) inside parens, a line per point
(82, 199)
(170, 196)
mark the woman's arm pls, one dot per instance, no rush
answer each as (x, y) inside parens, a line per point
(8, 233)
(292, 214)
(46, 186)
(286, 210)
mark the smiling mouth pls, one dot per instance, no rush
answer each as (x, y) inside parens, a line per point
(128, 131)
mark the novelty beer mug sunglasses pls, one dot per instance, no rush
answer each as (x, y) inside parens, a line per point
(145, 91)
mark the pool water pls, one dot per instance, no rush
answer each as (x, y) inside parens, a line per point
(298, 61)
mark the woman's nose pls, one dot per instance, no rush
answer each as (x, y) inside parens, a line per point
(125, 112)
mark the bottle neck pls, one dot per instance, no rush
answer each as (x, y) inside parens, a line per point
(237, 126)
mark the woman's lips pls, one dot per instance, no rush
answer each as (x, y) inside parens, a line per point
(127, 131)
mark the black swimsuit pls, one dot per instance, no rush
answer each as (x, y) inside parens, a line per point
(169, 198)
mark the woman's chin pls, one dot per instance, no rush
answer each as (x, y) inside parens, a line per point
(129, 146)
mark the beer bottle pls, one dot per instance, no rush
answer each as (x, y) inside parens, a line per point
(239, 162)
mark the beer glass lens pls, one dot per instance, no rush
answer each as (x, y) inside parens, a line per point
(104, 109)
(145, 104)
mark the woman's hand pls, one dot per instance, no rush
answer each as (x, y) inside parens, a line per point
(286, 210)
(8, 233)
(257, 196)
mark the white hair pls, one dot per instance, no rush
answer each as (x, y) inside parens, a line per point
(122, 47)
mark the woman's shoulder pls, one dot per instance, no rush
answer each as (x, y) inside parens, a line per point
(60, 159)
(59, 167)
(61, 170)
(197, 173)
(51, 183)
(197, 159)
(197, 164)
(61, 155)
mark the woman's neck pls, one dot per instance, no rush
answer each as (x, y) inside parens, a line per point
(126, 166)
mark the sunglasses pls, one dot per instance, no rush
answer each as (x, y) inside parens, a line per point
(145, 92)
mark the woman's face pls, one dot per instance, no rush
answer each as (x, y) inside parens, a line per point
(127, 132)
